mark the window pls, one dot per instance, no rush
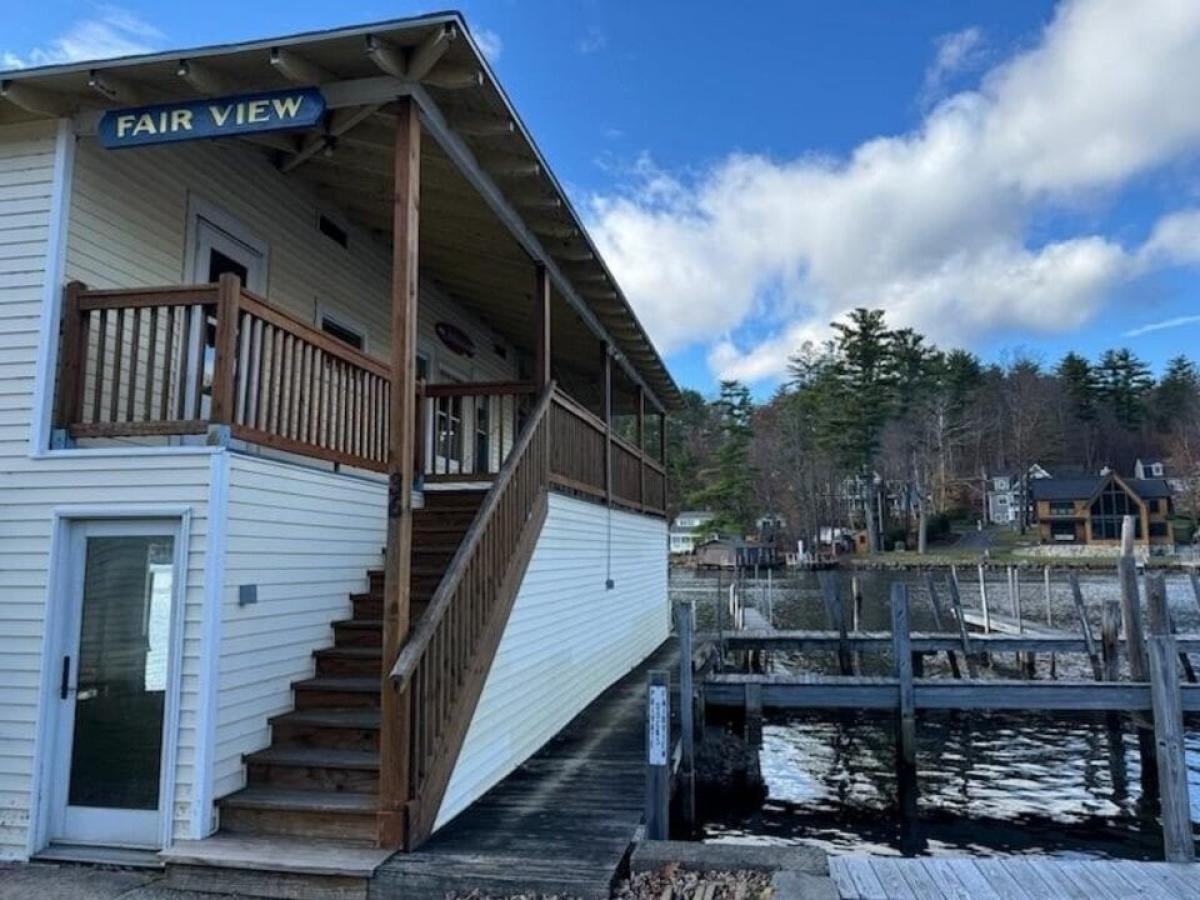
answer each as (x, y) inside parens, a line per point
(1062, 507)
(1158, 529)
(1109, 509)
(344, 328)
(1063, 532)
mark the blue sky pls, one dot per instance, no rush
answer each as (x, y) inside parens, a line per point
(1010, 177)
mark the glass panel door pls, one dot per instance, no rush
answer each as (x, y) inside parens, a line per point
(114, 683)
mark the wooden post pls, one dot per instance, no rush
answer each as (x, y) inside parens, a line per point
(936, 605)
(1167, 704)
(72, 356)
(1081, 610)
(1131, 607)
(658, 755)
(956, 600)
(641, 442)
(753, 720)
(1049, 615)
(229, 292)
(983, 602)
(1110, 630)
(685, 625)
(541, 323)
(394, 713)
(837, 619)
(608, 492)
(902, 650)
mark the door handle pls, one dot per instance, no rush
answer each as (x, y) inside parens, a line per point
(64, 688)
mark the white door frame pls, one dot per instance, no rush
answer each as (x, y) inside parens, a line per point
(59, 627)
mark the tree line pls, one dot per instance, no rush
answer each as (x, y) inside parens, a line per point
(878, 417)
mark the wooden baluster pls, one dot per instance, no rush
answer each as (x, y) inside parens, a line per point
(114, 398)
(229, 291)
(169, 367)
(134, 351)
(201, 338)
(243, 375)
(151, 361)
(98, 387)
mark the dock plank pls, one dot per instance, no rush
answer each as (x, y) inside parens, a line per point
(1011, 878)
(561, 823)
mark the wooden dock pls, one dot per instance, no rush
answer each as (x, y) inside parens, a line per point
(1010, 878)
(562, 823)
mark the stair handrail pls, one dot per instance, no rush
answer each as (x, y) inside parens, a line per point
(418, 641)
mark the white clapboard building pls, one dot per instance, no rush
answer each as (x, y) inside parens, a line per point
(316, 515)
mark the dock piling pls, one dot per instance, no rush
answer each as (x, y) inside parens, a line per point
(902, 649)
(936, 605)
(956, 600)
(658, 755)
(685, 624)
(1131, 608)
(1167, 705)
(834, 612)
(1081, 610)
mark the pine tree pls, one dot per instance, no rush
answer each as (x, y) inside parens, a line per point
(729, 490)
(1177, 396)
(1079, 381)
(1124, 383)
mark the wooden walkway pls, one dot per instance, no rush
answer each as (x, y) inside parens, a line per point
(1010, 878)
(562, 823)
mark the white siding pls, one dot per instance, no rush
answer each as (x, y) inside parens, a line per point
(568, 638)
(128, 229)
(306, 539)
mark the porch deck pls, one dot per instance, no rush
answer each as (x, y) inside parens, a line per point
(562, 823)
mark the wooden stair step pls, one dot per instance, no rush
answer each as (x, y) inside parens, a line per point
(350, 660)
(336, 691)
(269, 853)
(317, 757)
(268, 809)
(367, 719)
(358, 632)
(355, 728)
(331, 802)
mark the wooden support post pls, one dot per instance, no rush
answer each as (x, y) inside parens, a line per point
(935, 605)
(685, 626)
(608, 491)
(541, 323)
(983, 601)
(1131, 607)
(72, 356)
(1110, 631)
(837, 619)
(956, 600)
(658, 755)
(394, 713)
(641, 442)
(1081, 610)
(1049, 615)
(754, 715)
(229, 293)
(902, 650)
(1168, 726)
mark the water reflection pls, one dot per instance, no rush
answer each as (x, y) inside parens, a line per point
(987, 783)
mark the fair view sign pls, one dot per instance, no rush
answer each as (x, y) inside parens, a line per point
(205, 119)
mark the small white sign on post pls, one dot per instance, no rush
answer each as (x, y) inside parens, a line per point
(658, 726)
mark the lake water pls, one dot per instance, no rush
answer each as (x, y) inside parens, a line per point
(986, 783)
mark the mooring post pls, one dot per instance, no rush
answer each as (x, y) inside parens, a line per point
(1110, 630)
(1049, 615)
(1168, 726)
(983, 601)
(1196, 589)
(658, 755)
(956, 600)
(902, 650)
(856, 609)
(753, 720)
(834, 612)
(685, 625)
(1131, 607)
(936, 605)
(1081, 610)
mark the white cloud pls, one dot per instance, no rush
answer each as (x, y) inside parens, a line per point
(112, 32)
(752, 255)
(1163, 325)
(957, 52)
(489, 43)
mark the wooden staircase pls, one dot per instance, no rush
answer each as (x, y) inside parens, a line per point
(319, 777)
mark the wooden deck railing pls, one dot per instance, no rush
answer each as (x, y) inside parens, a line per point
(443, 664)
(175, 360)
(468, 430)
(578, 463)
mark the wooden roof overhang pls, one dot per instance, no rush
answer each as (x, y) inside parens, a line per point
(490, 206)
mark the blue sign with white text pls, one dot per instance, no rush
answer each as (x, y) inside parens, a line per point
(192, 120)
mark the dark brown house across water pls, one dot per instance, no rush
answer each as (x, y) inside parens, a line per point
(1089, 509)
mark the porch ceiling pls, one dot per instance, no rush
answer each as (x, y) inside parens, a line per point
(464, 245)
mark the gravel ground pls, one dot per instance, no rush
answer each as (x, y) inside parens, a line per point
(673, 883)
